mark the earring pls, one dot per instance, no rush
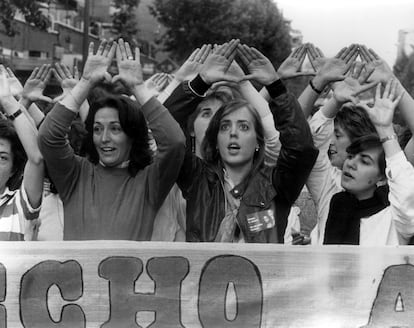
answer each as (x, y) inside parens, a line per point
(257, 148)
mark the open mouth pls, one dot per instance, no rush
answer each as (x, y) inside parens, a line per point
(348, 175)
(107, 149)
(332, 150)
(233, 148)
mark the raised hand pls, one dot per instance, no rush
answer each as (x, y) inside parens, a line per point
(259, 66)
(382, 72)
(291, 67)
(192, 66)
(354, 84)
(16, 87)
(382, 113)
(157, 82)
(129, 69)
(7, 100)
(332, 69)
(66, 79)
(96, 66)
(217, 63)
(36, 83)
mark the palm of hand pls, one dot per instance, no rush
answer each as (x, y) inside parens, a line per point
(33, 89)
(188, 69)
(4, 87)
(318, 62)
(15, 86)
(130, 72)
(95, 67)
(215, 68)
(262, 70)
(332, 68)
(345, 89)
(69, 83)
(382, 72)
(382, 113)
(289, 67)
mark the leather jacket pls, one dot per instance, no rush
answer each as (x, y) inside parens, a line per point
(202, 187)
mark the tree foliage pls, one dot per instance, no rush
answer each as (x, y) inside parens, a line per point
(191, 23)
(124, 22)
(29, 8)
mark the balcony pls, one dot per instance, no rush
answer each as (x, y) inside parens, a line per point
(25, 64)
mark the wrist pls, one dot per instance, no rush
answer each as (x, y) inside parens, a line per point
(319, 82)
(385, 131)
(199, 86)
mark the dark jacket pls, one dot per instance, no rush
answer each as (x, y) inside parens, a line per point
(202, 187)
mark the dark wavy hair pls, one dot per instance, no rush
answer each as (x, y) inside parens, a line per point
(133, 124)
(355, 121)
(366, 142)
(19, 156)
(209, 149)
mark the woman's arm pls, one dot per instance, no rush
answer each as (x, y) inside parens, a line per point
(27, 133)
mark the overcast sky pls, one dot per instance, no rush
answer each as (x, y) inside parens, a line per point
(333, 24)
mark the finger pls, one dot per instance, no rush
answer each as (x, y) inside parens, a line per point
(76, 72)
(374, 54)
(358, 67)
(341, 52)
(221, 49)
(34, 73)
(365, 55)
(295, 52)
(116, 78)
(367, 75)
(101, 47)
(137, 55)
(118, 54)
(56, 74)
(312, 51)
(107, 49)
(58, 98)
(350, 53)
(11, 74)
(44, 98)
(128, 51)
(378, 92)
(205, 53)
(193, 55)
(301, 54)
(59, 72)
(257, 54)
(248, 77)
(112, 50)
(231, 48)
(366, 87)
(121, 45)
(199, 53)
(67, 71)
(394, 88)
(45, 71)
(48, 75)
(90, 49)
(107, 77)
(397, 100)
(3, 70)
(387, 89)
(242, 55)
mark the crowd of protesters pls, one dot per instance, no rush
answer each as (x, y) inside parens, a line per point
(218, 151)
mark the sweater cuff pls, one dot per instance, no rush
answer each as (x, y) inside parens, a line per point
(276, 89)
(198, 86)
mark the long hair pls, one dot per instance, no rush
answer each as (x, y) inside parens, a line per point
(19, 156)
(209, 149)
(133, 124)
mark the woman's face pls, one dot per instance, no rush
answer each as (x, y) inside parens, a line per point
(207, 110)
(111, 142)
(6, 162)
(337, 150)
(237, 139)
(361, 172)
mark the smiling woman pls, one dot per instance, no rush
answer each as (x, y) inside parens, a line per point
(115, 192)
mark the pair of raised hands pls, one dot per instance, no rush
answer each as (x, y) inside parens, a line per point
(217, 63)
